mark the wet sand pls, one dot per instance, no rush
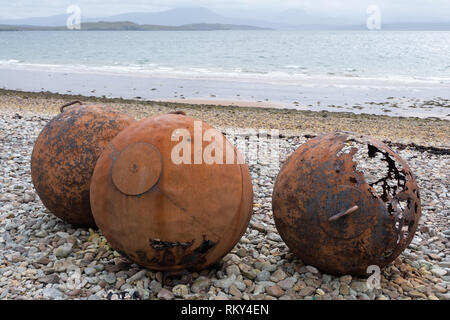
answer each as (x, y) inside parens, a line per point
(413, 98)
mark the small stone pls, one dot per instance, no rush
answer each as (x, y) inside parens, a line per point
(180, 290)
(235, 291)
(73, 292)
(138, 275)
(63, 251)
(259, 289)
(416, 294)
(307, 291)
(155, 286)
(240, 285)
(43, 260)
(250, 274)
(41, 234)
(269, 267)
(247, 271)
(440, 288)
(52, 293)
(392, 294)
(110, 278)
(274, 237)
(438, 272)
(200, 285)
(435, 257)
(359, 286)
(225, 283)
(90, 271)
(28, 197)
(263, 275)
(10, 226)
(241, 252)
(346, 279)
(425, 263)
(278, 275)
(51, 278)
(62, 265)
(363, 296)
(258, 226)
(233, 269)
(312, 269)
(424, 229)
(344, 289)
(102, 283)
(232, 258)
(63, 235)
(275, 291)
(165, 294)
(287, 283)
(119, 283)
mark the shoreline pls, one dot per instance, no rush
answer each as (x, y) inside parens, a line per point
(426, 133)
(424, 100)
(231, 103)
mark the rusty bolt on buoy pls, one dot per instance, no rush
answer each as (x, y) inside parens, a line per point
(160, 204)
(344, 202)
(65, 154)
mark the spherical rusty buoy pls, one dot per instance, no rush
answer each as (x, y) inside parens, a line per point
(344, 202)
(65, 154)
(172, 193)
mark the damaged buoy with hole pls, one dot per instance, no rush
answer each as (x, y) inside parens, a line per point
(343, 202)
(65, 154)
(172, 193)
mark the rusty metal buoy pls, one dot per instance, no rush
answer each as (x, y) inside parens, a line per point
(344, 202)
(65, 154)
(161, 203)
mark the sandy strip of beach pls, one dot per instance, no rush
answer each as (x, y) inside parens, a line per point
(429, 132)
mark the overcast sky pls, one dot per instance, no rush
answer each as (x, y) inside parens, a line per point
(393, 10)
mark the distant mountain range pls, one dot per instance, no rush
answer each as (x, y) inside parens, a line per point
(126, 25)
(173, 17)
(205, 19)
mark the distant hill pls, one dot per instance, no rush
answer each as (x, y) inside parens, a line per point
(172, 17)
(127, 25)
(206, 19)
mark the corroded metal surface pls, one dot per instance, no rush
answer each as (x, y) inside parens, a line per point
(163, 215)
(64, 158)
(337, 210)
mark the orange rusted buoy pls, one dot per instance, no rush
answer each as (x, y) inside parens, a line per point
(65, 154)
(171, 193)
(344, 203)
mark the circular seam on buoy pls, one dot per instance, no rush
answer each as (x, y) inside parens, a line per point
(137, 169)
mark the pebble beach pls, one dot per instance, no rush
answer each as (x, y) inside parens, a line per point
(43, 257)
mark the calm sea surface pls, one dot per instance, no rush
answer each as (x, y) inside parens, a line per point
(285, 56)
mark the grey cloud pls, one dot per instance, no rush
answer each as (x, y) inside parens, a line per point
(400, 10)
